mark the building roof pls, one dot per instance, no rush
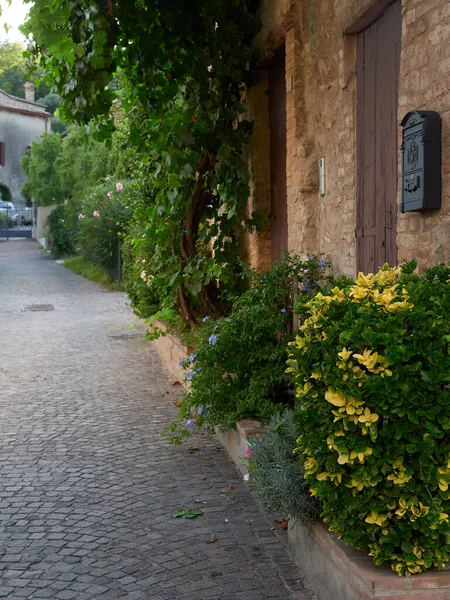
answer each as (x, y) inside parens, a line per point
(15, 104)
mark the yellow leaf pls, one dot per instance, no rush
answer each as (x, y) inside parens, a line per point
(443, 485)
(343, 459)
(344, 354)
(335, 397)
(375, 519)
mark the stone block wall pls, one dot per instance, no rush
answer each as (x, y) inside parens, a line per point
(321, 121)
(425, 85)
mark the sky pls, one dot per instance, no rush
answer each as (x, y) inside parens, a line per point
(13, 15)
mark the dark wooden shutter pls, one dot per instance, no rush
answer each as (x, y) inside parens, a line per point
(277, 103)
(2, 154)
(378, 64)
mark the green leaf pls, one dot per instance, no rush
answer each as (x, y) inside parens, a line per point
(345, 336)
(190, 513)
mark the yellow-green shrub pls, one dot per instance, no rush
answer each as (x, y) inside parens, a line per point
(372, 371)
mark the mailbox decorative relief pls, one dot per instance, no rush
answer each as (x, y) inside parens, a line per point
(421, 161)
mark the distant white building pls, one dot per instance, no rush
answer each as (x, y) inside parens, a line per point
(21, 123)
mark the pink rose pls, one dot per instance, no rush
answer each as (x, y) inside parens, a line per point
(81, 216)
(110, 195)
(248, 453)
(95, 213)
(119, 186)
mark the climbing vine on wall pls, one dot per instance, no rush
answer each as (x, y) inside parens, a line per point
(176, 73)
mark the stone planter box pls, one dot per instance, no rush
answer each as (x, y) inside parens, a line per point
(235, 441)
(335, 571)
(170, 350)
(338, 572)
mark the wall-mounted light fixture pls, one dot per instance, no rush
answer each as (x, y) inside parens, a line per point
(322, 177)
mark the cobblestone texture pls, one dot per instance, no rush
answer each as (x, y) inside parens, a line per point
(87, 484)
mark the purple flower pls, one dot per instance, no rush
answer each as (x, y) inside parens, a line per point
(307, 287)
(205, 319)
(200, 410)
(261, 439)
(180, 362)
(249, 452)
(190, 424)
(212, 340)
(283, 310)
(192, 357)
(191, 375)
(322, 263)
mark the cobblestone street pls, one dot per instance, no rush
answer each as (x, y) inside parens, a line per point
(87, 483)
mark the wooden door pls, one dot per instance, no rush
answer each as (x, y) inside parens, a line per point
(378, 65)
(277, 104)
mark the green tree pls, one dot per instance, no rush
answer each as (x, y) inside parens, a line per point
(44, 181)
(51, 102)
(12, 75)
(13, 72)
(60, 168)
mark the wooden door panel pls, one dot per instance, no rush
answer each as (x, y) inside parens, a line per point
(378, 61)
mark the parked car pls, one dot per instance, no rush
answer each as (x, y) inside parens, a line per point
(7, 209)
(26, 216)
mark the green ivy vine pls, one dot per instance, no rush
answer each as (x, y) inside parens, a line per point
(176, 73)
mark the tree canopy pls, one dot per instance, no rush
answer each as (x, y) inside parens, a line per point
(13, 71)
(176, 73)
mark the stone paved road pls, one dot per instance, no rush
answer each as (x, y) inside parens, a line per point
(87, 484)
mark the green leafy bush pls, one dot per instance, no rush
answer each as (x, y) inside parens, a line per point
(5, 192)
(238, 367)
(102, 222)
(371, 366)
(137, 274)
(62, 223)
(278, 478)
(6, 221)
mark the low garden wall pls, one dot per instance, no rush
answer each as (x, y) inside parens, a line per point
(171, 350)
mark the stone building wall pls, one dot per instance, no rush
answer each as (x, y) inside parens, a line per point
(21, 123)
(425, 85)
(321, 111)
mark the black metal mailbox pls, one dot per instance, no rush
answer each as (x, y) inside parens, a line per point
(421, 161)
